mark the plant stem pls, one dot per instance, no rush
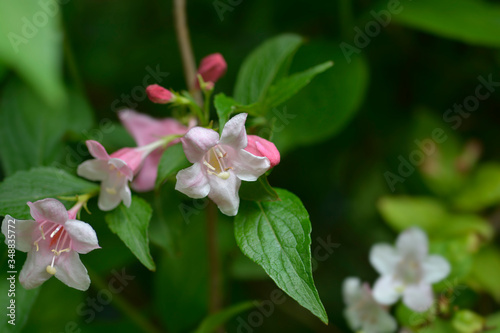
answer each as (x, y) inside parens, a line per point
(189, 64)
(215, 298)
(124, 306)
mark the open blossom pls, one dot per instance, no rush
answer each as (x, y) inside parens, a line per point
(53, 241)
(114, 171)
(212, 68)
(261, 147)
(363, 312)
(407, 270)
(219, 165)
(145, 130)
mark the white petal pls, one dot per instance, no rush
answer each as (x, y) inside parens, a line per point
(95, 170)
(234, 133)
(384, 258)
(418, 297)
(48, 210)
(197, 142)
(126, 195)
(413, 241)
(383, 323)
(224, 192)
(108, 201)
(70, 271)
(34, 271)
(122, 167)
(83, 236)
(435, 268)
(193, 182)
(385, 290)
(249, 167)
(351, 290)
(22, 231)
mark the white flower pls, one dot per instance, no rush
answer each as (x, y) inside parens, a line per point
(363, 312)
(407, 270)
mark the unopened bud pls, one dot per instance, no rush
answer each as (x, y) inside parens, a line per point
(261, 147)
(158, 94)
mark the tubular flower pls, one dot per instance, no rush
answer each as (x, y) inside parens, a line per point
(363, 312)
(407, 270)
(261, 147)
(53, 241)
(212, 68)
(219, 165)
(145, 130)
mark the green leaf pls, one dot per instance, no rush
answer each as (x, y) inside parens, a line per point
(469, 21)
(224, 106)
(466, 321)
(263, 66)
(285, 88)
(172, 160)
(276, 235)
(37, 184)
(212, 322)
(131, 225)
(482, 190)
(34, 51)
(259, 190)
(486, 270)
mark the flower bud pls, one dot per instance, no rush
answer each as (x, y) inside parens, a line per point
(261, 147)
(212, 67)
(158, 94)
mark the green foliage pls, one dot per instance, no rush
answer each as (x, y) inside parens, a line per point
(224, 106)
(259, 190)
(212, 322)
(487, 260)
(37, 184)
(131, 225)
(172, 160)
(276, 235)
(482, 189)
(466, 321)
(24, 300)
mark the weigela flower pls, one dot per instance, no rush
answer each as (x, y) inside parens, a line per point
(53, 241)
(145, 130)
(114, 171)
(261, 147)
(158, 94)
(363, 312)
(219, 165)
(212, 68)
(407, 270)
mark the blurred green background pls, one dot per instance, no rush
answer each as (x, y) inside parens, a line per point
(348, 128)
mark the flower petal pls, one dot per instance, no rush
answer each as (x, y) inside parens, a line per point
(122, 167)
(93, 170)
(435, 268)
(383, 322)
(414, 242)
(83, 236)
(48, 210)
(385, 290)
(97, 150)
(145, 180)
(384, 258)
(249, 167)
(197, 142)
(234, 133)
(70, 271)
(109, 196)
(34, 272)
(193, 182)
(126, 195)
(224, 192)
(418, 297)
(23, 231)
(351, 290)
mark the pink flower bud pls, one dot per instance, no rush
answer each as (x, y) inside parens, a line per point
(261, 147)
(158, 94)
(212, 67)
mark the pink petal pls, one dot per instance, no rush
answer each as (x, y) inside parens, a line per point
(132, 157)
(83, 237)
(224, 192)
(48, 210)
(249, 167)
(145, 180)
(122, 167)
(70, 271)
(34, 272)
(93, 169)
(193, 181)
(23, 232)
(197, 142)
(97, 150)
(234, 133)
(261, 147)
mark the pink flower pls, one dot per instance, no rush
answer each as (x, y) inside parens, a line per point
(212, 67)
(145, 130)
(114, 171)
(53, 241)
(261, 147)
(158, 94)
(219, 166)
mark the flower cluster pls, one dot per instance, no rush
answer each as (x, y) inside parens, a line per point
(407, 271)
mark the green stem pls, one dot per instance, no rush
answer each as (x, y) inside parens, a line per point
(124, 306)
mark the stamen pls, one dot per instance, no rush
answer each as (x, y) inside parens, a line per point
(55, 231)
(36, 244)
(51, 269)
(208, 165)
